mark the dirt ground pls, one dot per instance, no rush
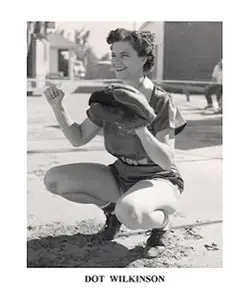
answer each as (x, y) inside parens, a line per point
(61, 245)
(62, 234)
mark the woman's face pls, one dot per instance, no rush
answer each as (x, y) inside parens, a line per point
(125, 60)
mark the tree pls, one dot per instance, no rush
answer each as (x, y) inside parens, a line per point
(81, 36)
(84, 52)
(81, 40)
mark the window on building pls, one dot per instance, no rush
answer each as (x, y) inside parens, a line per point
(63, 62)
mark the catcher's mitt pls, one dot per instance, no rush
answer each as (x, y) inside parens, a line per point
(123, 105)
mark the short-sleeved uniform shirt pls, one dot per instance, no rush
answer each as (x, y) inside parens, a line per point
(133, 164)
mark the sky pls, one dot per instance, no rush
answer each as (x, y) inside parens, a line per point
(98, 32)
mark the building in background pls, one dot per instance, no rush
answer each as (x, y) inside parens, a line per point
(185, 50)
(38, 58)
(62, 56)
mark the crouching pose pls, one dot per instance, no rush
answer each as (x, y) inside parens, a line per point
(142, 188)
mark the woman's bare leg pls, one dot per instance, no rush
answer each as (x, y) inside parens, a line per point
(83, 183)
(148, 204)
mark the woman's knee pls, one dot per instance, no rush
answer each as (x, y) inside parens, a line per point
(131, 215)
(134, 217)
(50, 180)
(138, 210)
(86, 178)
(142, 218)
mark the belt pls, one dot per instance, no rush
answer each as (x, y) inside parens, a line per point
(143, 161)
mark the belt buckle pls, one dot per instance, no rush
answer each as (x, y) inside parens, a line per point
(134, 162)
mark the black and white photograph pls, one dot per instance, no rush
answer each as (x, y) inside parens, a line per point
(124, 145)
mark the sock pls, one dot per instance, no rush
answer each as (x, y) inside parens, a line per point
(109, 208)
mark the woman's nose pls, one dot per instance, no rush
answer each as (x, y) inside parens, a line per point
(116, 59)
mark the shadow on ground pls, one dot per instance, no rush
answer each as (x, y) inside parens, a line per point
(80, 250)
(61, 245)
(71, 246)
(200, 133)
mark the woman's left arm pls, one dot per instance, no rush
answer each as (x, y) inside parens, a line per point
(160, 148)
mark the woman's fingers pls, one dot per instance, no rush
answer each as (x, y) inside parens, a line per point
(60, 93)
(53, 95)
(47, 94)
(51, 92)
(54, 91)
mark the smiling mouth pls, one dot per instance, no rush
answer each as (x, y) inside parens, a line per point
(120, 69)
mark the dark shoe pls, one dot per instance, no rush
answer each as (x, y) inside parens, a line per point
(156, 244)
(112, 225)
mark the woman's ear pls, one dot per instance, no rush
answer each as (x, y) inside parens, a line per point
(144, 59)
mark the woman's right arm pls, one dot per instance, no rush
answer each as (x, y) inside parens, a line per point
(77, 134)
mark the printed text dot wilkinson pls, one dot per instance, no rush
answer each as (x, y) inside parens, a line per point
(125, 278)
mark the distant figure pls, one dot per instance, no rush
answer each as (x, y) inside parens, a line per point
(215, 89)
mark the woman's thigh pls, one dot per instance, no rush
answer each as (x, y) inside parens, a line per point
(144, 202)
(86, 178)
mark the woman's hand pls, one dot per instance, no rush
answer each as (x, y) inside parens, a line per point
(54, 96)
(158, 150)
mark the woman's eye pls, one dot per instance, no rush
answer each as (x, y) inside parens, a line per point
(113, 56)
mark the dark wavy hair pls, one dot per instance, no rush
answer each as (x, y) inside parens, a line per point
(142, 41)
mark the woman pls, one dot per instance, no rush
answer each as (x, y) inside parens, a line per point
(141, 189)
(215, 88)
